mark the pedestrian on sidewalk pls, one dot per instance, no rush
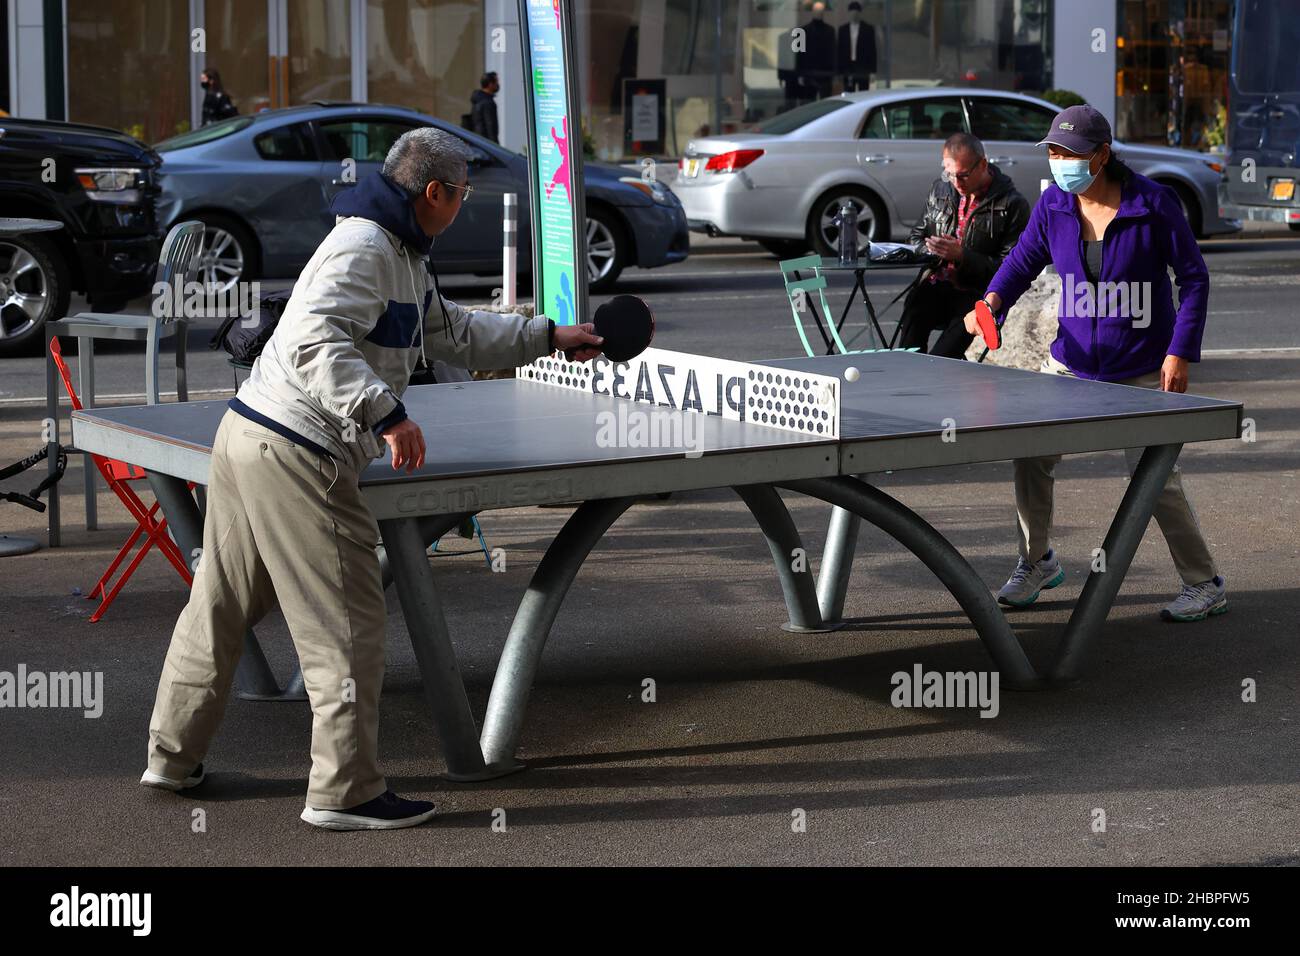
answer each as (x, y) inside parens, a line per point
(1113, 237)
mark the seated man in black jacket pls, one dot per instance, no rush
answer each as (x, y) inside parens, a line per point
(972, 219)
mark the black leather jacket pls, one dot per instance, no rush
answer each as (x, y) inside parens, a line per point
(991, 234)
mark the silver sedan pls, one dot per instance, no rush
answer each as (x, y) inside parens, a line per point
(783, 183)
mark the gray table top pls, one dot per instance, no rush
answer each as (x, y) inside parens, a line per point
(903, 411)
(908, 393)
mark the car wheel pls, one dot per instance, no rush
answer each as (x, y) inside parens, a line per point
(229, 253)
(784, 248)
(34, 289)
(606, 250)
(1191, 208)
(824, 234)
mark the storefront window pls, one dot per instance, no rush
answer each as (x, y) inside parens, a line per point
(1171, 84)
(128, 66)
(237, 48)
(320, 51)
(765, 67)
(425, 54)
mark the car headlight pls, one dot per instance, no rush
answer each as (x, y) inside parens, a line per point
(120, 185)
(652, 188)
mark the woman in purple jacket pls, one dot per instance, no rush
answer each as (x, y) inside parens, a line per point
(1113, 236)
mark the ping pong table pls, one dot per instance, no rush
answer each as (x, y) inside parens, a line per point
(798, 424)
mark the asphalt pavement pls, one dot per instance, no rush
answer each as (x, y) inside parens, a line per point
(752, 729)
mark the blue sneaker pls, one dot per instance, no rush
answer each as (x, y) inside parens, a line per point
(1027, 581)
(387, 811)
(1196, 602)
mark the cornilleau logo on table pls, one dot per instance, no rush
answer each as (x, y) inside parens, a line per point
(922, 688)
(75, 909)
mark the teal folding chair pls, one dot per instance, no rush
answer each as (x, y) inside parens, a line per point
(799, 291)
(482, 543)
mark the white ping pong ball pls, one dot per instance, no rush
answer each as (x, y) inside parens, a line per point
(851, 374)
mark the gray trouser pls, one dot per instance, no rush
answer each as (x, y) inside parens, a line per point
(1173, 512)
(282, 523)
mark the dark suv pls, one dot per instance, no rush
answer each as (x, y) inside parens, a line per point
(103, 186)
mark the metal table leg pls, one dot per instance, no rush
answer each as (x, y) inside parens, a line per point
(837, 564)
(1122, 540)
(253, 678)
(444, 689)
(783, 539)
(86, 377)
(871, 310)
(52, 441)
(937, 553)
(517, 668)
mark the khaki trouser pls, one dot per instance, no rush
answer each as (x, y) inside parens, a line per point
(1173, 512)
(282, 522)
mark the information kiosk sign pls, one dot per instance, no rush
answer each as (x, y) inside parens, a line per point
(557, 205)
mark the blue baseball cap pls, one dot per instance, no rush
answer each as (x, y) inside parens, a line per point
(1080, 129)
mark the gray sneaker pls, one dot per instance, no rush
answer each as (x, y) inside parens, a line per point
(1027, 581)
(1196, 602)
(159, 782)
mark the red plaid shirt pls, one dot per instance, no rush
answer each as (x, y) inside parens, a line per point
(965, 206)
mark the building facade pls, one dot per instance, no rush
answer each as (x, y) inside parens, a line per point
(653, 73)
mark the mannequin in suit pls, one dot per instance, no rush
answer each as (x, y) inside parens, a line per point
(856, 50)
(815, 65)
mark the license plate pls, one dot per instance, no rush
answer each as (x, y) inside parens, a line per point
(692, 168)
(1283, 189)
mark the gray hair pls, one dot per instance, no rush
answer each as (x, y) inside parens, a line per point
(425, 155)
(959, 143)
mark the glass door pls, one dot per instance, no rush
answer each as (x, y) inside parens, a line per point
(309, 45)
(238, 48)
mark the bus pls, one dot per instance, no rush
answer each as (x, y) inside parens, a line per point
(1259, 181)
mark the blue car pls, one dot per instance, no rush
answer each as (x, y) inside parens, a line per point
(262, 184)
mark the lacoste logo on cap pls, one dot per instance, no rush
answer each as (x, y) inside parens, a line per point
(1069, 126)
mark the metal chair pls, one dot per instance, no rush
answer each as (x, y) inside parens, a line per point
(116, 475)
(177, 264)
(796, 289)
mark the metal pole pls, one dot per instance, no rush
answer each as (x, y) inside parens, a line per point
(1122, 540)
(788, 554)
(509, 251)
(837, 564)
(517, 668)
(444, 689)
(935, 551)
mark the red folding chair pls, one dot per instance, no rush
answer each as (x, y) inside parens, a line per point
(116, 474)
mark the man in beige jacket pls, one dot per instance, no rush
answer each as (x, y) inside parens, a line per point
(286, 520)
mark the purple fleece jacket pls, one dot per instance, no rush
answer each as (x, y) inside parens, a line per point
(1148, 236)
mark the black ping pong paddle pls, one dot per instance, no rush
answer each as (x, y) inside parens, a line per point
(988, 325)
(627, 326)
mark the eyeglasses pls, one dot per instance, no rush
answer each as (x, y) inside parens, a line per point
(468, 189)
(960, 177)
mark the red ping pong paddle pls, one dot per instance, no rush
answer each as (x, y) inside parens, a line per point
(988, 325)
(627, 326)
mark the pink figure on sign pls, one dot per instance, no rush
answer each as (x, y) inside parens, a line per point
(562, 171)
(555, 5)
